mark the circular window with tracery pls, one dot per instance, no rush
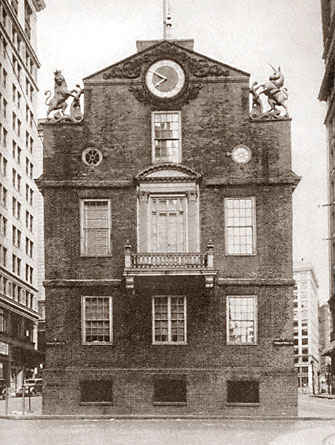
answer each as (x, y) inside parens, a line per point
(92, 157)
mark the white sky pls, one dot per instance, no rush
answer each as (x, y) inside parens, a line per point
(81, 37)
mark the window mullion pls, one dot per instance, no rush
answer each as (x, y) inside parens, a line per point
(169, 319)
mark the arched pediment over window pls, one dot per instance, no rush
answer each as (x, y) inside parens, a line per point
(168, 173)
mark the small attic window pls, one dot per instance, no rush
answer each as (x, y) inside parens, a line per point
(92, 157)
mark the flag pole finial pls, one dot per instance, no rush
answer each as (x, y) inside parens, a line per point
(167, 20)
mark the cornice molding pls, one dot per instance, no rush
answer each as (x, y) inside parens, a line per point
(256, 281)
(82, 283)
(43, 183)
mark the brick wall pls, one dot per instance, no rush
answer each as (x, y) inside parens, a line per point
(120, 126)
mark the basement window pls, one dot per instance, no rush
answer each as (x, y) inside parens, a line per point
(242, 391)
(96, 391)
(169, 391)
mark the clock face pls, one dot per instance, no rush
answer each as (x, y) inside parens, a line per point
(165, 78)
(241, 154)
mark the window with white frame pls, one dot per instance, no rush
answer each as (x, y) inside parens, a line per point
(97, 326)
(166, 136)
(242, 319)
(240, 226)
(95, 227)
(169, 320)
(168, 224)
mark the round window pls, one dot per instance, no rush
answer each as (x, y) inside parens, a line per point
(92, 157)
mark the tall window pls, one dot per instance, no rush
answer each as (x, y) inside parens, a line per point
(97, 320)
(240, 226)
(95, 228)
(241, 320)
(169, 320)
(168, 223)
(166, 136)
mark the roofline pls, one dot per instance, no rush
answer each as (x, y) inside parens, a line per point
(170, 43)
(305, 268)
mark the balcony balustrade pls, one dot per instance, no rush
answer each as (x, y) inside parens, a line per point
(167, 263)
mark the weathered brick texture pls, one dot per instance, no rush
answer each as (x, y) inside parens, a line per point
(119, 125)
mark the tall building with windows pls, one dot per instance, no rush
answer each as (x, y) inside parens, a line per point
(18, 192)
(326, 94)
(306, 328)
(168, 232)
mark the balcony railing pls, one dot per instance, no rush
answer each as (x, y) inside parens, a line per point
(168, 260)
(179, 263)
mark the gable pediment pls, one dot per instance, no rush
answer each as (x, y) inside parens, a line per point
(168, 173)
(196, 65)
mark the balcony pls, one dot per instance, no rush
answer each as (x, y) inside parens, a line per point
(155, 264)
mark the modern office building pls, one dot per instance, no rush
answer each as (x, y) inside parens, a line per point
(326, 94)
(168, 232)
(306, 328)
(19, 152)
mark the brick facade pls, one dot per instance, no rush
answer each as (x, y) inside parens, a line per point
(117, 121)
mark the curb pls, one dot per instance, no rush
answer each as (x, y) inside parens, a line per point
(161, 417)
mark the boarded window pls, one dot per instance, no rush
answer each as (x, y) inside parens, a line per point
(242, 391)
(96, 391)
(170, 391)
(95, 228)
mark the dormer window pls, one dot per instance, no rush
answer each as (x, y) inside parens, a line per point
(166, 136)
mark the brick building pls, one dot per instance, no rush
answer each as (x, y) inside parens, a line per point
(168, 233)
(326, 94)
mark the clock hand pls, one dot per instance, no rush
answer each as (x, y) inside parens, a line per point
(159, 82)
(159, 75)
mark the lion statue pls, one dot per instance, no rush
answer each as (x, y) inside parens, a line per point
(61, 94)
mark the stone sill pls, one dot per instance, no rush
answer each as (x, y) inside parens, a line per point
(243, 404)
(169, 403)
(96, 403)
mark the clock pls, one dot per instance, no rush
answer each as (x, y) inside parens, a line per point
(165, 78)
(241, 154)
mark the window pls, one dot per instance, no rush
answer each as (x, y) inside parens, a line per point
(3, 196)
(3, 225)
(166, 136)
(96, 391)
(241, 320)
(168, 224)
(170, 391)
(29, 274)
(97, 320)
(16, 237)
(95, 228)
(240, 226)
(3, 321)
(242, 391)
(3, 256)
(169, 320)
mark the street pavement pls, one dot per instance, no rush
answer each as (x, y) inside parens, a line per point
(172, 432)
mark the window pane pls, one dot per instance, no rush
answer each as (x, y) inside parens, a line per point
(169, 319)
(166, 136)
(97, 319)
(240, 226)
(241, 319)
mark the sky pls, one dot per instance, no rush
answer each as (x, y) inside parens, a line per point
(81, 37)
